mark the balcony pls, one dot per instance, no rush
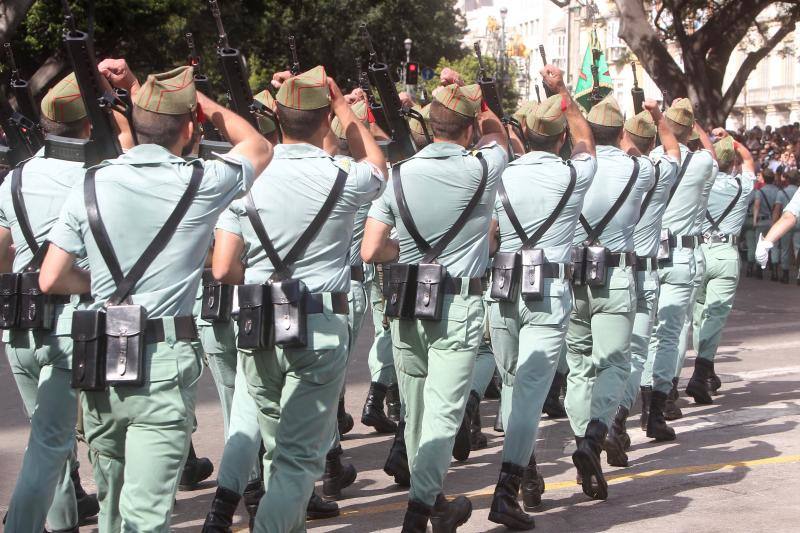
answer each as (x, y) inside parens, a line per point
(763, 96)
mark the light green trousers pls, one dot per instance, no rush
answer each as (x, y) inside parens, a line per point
(380, 359)
(139, 436)
(41, 364)
(697, 281)
(715, 297)
(219, 346)
(296, 392)
(527, 339)
(434, 361)
(599, 349)
(675, 292)
(484, 360)
(646, 305)
(750, 238)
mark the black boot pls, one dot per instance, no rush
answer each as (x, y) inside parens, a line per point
(393, 402)
(492, 391)
(196, 470)
(343, 419)
(578, 478)
(713, 382)
(671, 409)
(645, 393)
(750, 269)
(552, 404)
(88, 506)
(223, 506)
(498, 420)
(397, 463)
(447, 516)
(773, 272)
(318, 508)
(336, 476)
(657, 427)
(461, 445)
(477, 440)
(532, 485)
(252, 496)
(615, 440)
(373, 414)
(697, 387)
(759, 272)
(785, 276)
(416, 518)
(505, 507)
(587, 460)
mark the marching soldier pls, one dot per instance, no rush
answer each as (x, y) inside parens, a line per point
(600, 326)
(783, 197)
(527, 332)
(789, 219)
(725, 214)
(677, 269)
(763, 206)
(442, 213)
(297, 381)
(139, 433)
(640, 134)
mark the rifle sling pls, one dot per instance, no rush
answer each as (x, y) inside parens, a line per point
(24, 222)
(715, 223)
(649, 197)
(594, 233)
(679, 177)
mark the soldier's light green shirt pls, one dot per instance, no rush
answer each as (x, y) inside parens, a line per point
(288, 196)
(793, 206)
(722, 194)
(646, 235)
(768, 194)
(46, 183)
(136, 193)
(614, 169)
(785, 195)
(438, 182)
(535, 184)
(360, 222)
(691, 195)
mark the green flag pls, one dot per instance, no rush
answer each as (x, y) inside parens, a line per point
(585, 84)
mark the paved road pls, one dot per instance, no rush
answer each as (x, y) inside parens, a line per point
(733, 468)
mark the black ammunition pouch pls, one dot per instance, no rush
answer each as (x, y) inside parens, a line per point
(506, 269)
(400, 297)
(429, 291)
(664, 245)
(125, 343)
(382, 277)
(35, 309)
(9, 300)
(578, 260)
(532, 278)
(89, 350)
(255, 318)
(596, 266)
(217, 299)
(289, 313)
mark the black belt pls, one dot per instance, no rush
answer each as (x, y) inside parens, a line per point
(185, 329)
(339, 303)
(616, 259)
(453, 286)
(553, 270)
(713, 238)
(357, 273)
(687, 241)
(644, 264)
(64, 299)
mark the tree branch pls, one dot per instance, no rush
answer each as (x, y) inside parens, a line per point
(12, 13)
(561, 3)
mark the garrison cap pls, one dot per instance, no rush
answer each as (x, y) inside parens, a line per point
(724, 149)
(63, 102)
(169, 93)
(414, 124)
(464, 100)
(523, 110)
(265, 123)
(641, 125)
(694, 136)
(681, 112)
(359, 110)
(547, 118)
(606, 113)
(306, 91)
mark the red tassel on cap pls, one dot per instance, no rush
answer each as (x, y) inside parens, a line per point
(201, 116)
(564, 103)
(484, 107)
(370, 116)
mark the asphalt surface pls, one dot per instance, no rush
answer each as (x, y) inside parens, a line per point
(734, 466)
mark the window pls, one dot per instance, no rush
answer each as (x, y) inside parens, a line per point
(612, 33)
(560, 45)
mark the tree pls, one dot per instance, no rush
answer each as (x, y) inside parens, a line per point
(707, 32)
(467, 66)
(150, 34)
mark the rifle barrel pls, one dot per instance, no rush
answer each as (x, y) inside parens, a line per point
(373, 55)
(541, 52)
(223, 37)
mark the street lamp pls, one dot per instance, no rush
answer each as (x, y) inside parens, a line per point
(407, 44)
(503, 58)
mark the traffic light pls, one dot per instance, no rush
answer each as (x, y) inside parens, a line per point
(412, 73)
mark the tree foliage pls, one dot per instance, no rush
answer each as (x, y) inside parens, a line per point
(150, 33)
(467, 66)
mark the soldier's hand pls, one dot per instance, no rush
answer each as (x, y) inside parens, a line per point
(356, 95)
(279, 77)
(450, 77)
(406, 100)
(719, 133)
(338, 101)
(651, 106)
(118, 74)
(553, 77)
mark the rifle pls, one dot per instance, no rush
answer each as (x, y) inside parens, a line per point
(636, 92)
(294, 68)
(488, 86)
(231, 62)
(26, 118)
(548, 92)
(664, 97)
(595, 96)
(538, 96)
(375, 108)
(203, 85)
(103, 143)
(17, 148)
(402, 146)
